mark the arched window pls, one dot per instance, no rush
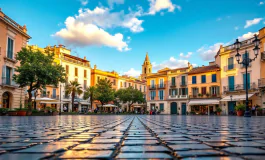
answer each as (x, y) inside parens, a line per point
(145, 70)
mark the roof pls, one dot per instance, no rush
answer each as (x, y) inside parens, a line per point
(13, 24)
(74, 57)
(204, 69)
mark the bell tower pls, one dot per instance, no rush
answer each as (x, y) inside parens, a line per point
(146, 67)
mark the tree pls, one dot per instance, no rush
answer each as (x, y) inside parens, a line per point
(104, 90)
(130, 96)
(90, 93)
(37, 70)
(73, 88)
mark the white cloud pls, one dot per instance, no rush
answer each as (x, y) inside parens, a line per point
(236, 28)
(103, 17)
(158, 5)
(247, 36)
(82, 34)
(84, 2)
(132, 72)
(207, 53)
(261, 3)
(171, 63)
(181, 55)
(218, 19)
(252, 22)
(111, 2)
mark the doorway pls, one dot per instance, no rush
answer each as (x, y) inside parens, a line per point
(173, 108)
(6, 100)
(183, 108)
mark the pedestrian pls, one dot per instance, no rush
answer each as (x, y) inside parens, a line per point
(253, 109)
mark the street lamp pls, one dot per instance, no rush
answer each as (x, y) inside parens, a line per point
(246, 62)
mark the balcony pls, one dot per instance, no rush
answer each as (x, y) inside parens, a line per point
(173, 85)
(177, 96)
(66, 97)
(229, 67)
(156, 98)
(205, 96)
(161, 86)
(55, 97)
(183, 84)
(261, 82)
(239, 87)
(9, 83)
(152, 87)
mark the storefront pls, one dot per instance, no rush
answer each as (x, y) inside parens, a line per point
(203, 106)
(229, 102)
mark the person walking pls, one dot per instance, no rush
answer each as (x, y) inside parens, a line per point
(253, 110)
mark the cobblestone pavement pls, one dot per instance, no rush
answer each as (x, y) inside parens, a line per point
(125, 137)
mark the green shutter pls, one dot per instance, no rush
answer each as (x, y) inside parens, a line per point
(217, 90)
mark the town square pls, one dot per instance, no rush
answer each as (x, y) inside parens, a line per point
(125, 79)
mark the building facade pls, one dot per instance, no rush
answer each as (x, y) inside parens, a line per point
(167, 90)
(13, 37)
(261, 81)
(233, 77)
(204, 89)
(76, 69)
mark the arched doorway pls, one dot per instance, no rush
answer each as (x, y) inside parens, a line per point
(6, 100)
(173, 108)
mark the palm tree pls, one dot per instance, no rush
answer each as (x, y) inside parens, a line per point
(73, 88)
(90, 93)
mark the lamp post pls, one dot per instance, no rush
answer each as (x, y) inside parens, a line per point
(246, 62)
(60, 109)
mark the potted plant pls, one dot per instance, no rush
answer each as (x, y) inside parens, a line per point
(200, 95)
(3, 111)
(240, 109)
(54, 112)
(21, 111)
(218, 111)
(12, 112)
(207, 94)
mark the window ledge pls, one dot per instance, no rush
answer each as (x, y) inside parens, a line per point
(10, 60)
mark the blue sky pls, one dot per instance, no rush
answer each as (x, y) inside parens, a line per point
(116, 34)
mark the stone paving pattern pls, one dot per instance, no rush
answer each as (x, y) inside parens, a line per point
(132, 137)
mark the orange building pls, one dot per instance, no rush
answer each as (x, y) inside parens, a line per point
(13, 37)
(204, 89)
(167, 90)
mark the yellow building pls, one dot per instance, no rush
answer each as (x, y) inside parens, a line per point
(261, 81)
(76, 69)
(233, 76)
(118, 82)
(204, 89)
(167, 90)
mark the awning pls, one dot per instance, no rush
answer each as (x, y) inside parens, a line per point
(43, 102)
(44, 99)
(109, 105)
(84, 103)
(237, 97)
(203, 101)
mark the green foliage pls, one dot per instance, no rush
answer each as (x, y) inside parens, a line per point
(218, 109)
(3, 110)
(73, 88)
(91, 93)
(21, 109)
(51, 109)
(104, 91)
(240, 107)
(130, 95)
(37, 70)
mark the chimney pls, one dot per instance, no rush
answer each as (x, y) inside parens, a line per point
(25, 28)
(84, 57)
(212, 63)
(95, 66)
(60, 45)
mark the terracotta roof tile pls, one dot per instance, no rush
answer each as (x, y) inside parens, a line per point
(204, 69)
